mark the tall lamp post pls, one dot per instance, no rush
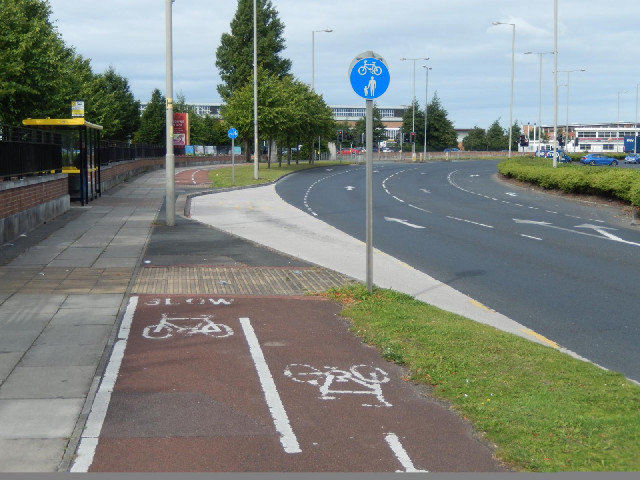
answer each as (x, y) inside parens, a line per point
(170, 171)
(540, 54)
(426, 103)
(513, 53)
(313, 53)
(623, 91)
(635, 132)
(256, 154)
(413, 103)
(569, 72)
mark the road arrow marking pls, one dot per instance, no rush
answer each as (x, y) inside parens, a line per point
(349, 188)
(425, 190)
(512, 194)
(601, 230)
(403, 222)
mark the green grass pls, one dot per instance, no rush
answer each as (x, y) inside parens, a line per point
(222, 177)
(545, 411)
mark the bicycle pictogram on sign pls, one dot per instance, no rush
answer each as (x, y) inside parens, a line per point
(369, 67)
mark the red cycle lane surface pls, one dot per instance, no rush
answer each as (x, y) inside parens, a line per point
(192, 395)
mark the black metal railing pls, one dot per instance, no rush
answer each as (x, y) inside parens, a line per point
(29, 151)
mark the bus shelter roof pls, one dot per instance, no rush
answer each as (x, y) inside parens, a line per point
(61, 122)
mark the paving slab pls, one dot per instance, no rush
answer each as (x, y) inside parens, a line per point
(31, 455)
(39, 418)
(72, 335)
(48, 382)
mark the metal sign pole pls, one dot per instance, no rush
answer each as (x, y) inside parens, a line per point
(233, 161)
(369, 194)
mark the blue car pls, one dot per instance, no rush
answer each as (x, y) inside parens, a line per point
(598, 159)
(632, 158)
(561, 155)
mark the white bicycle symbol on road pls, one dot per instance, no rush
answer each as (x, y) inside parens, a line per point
(368, 380)
(369, 67)
(195, 325)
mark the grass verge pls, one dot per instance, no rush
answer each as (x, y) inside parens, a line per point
(544, 410)
(243, 173)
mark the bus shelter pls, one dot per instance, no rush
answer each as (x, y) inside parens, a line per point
(80, 154)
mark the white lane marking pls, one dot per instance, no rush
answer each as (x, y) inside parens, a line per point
(89, 439)
(604, 235)
(276, 408)
(400, 453)
(529, 236)
(403, 222)
(349, 187)
(469, 221)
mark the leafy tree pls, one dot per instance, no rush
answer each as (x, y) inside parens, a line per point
(496, 137)
(476, 139)
(418, 125)
(440, 130)
(361, 127)
(515, 136)
(153, 120)
(33, 59)
(234, 56)
(110, 103)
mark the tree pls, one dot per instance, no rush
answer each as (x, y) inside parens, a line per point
(361, 127)
(476, 139)
(418, 125)
(496, 137)
(234, 56)
(152, 121)
(110, 103)
(33, 59)
(440, 130)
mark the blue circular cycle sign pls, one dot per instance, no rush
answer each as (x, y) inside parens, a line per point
(369, 75)
(232, 133)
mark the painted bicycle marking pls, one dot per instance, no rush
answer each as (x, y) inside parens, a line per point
(334, 382)
(188, 326)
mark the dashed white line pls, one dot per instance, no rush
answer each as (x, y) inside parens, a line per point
(469, 221)
(529, 236)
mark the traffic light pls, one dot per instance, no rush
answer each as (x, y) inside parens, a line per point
(340, 136)
(560, 140)
(413, 137)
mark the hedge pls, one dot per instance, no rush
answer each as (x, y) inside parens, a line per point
(608, 182)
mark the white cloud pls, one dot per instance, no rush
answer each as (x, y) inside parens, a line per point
(470, 57)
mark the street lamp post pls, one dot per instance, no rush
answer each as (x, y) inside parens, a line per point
(413, 103)
(569, 72)
(635, 130)
(623, 91)
(313, 53)
(540, 54)
(256, 155)
(170, 203)
(513, 53)
(426, 103)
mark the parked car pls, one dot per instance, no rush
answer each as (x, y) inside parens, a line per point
(598, 159)
(561, 155)
(632, 158)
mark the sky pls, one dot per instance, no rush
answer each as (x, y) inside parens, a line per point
(469, 57)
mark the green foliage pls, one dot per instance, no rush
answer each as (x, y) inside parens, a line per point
(234, 56)
(440, 130)
(110, 103)
(622, 184)
(544, 410)
(476, 140)
(153, 121)
(496, 137)
(32, 59)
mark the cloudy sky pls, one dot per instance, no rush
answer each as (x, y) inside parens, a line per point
(470, 58)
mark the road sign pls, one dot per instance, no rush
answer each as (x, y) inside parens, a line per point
(369, 75)
(232, 133)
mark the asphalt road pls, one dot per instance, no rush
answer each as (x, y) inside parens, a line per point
(567, 269)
